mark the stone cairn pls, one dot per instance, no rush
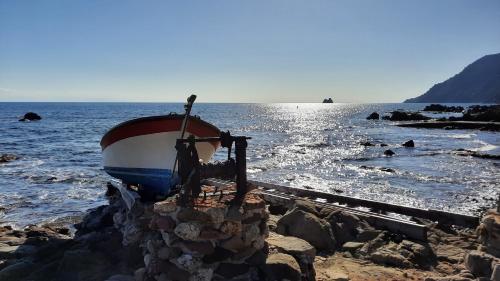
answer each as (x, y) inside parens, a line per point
(214, 239)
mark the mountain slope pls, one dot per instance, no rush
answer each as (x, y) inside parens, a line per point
(478, 82)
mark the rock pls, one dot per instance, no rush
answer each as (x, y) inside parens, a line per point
(339, 276)
(188, 262)
(173, 272)
(345, 226)
(292, 245)
(389, 152)
(383, 144)
(219, 254)
(231, 270)
(16, 271)
(231, 227)
(97, 218)
(83, 264)
(373, 116)
(30, 116)
(281, 266)
(121, 277)
(163, 223)
(489, 232)
(188, 230)
(496, 272)
(388, 257)
(405, 116)
(195, 248)
(388, 170)
(7, 251)
(374, 244)
(208, 233)
(202, 274)
(352, 246)
(327, 100)
(139, 274)
(165, 207)
(168, 253)
(277, 209)
(479, 263)
(466, 274)
(306, 206)
(449, 278)
(409, 143)
(417, 253)
(308, 227)
(4, 158)
(234, 244)
(443, 108)
(272, 222)
(18, 251)
(367, 143)
(303, 252)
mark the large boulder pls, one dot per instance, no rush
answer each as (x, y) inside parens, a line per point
(306, 206)
(281, 266)
(345, 226)
(303, 252)
(97, 218)
(31, 116)
(292, 245)
(309, 227)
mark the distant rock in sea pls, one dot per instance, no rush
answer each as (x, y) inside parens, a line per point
(328, 100)
(478, 82)
(31, 116)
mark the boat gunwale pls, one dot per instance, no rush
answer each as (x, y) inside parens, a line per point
(172, 116)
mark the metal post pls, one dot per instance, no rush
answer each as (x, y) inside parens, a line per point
(184, 123)
(241, 166)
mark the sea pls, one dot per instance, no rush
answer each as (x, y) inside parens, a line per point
(59, 174)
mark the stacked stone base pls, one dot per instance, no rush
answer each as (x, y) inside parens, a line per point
(485, 262)
(214, 239)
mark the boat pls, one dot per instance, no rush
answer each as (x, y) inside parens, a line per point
(142, 151)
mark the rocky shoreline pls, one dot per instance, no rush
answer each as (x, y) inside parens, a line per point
(262, 241)
(477, 117)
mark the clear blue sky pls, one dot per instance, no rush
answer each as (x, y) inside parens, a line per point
(238, 51)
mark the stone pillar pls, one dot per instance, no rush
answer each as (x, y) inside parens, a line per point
(211, 240)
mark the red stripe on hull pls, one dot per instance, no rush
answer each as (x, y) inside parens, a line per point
(159, 124)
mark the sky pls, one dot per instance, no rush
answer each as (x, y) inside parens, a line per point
(238, 51)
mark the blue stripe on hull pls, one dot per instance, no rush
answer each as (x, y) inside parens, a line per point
(157, 181)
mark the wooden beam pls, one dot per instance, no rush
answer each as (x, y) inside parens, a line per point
(431, 214)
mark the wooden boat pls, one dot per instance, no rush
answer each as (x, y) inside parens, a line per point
(142, 151)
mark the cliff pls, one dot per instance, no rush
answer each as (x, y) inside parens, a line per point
(479, 82)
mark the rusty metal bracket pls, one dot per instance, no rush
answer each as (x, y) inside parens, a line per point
(191, 171)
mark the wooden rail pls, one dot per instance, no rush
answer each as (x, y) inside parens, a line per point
(430, 214)
(410, 229)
